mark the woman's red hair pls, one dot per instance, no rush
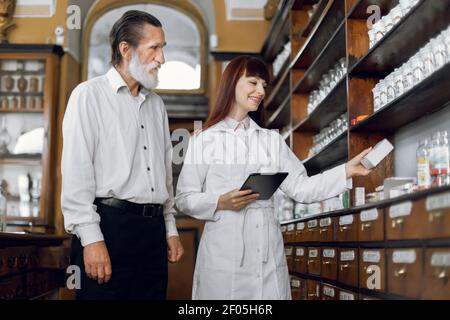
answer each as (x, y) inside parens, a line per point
(226, 96)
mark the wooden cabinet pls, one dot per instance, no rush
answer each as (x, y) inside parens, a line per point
(32, 265)
(313, 290)
(372, 269)
(329, 263)
(329, 292)
(435, 282)
(300, 259)
(326, 229)
(405, 272)
(347, 229)
(29, 100)
(312, 232)
(348, 267)
(313, 264)
(298, 288)
(371, 225)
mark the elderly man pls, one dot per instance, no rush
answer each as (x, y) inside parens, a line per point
(117, 193)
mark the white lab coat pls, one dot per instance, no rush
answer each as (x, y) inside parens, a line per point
(241, 254)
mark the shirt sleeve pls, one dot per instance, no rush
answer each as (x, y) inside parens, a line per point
(80, 136)
(169, 211)
(191, 198)
(316, 188)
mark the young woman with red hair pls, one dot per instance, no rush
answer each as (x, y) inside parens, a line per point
(241, 252)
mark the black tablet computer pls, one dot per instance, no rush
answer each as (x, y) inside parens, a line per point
(264, 183)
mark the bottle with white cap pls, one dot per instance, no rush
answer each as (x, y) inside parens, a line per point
(3, 203)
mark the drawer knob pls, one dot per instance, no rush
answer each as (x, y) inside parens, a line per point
(435, 216)
(442, 275)
(310, 261)
(344, 228)
(397, 222)
(366, 225)
(400, 273)
(345, 266)
(323, 230)
(326, 262)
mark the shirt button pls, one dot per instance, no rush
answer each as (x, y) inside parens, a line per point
(153, 190)
(142, 126)
(257, 226)
(148, 168)
(145, 147)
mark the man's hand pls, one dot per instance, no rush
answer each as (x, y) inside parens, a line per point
(354, 167)
(174, 249)
(96, 262)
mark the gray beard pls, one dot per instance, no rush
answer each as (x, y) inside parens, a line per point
(139, 73)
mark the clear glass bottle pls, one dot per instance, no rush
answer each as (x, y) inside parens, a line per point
(423, 166)
(3, 203)
(444, 158)
(432, 154)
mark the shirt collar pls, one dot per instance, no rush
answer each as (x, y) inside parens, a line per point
(223, 126)
(234, 124)
(116, 81)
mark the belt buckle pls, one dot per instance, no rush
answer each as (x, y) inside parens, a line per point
(148, 212)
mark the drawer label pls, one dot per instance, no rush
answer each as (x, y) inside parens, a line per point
(348, 255)
(295, 283)
(372, 256)
(436, 202)
(299, 252)
(283, 228)
(291, 227)
(288, 251)
(369, 215)
(325, 222)
(313, 253)
(328, 291)
(440, 259)
(345, 220)
(312, 223)
(400, 210)
(404, 256)
(346, 296)
(329, 253)
(301, 226)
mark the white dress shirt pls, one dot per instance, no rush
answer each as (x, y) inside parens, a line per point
(114, 145)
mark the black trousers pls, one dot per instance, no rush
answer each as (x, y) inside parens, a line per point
(137, 248)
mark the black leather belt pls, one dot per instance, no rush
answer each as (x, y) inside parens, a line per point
(145, 210)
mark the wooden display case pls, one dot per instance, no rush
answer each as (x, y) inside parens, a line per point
(29, 79)
(418, 221)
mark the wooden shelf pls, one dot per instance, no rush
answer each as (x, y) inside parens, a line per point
(330, 19)
(430, 95)
(359, 10)
(21, 160)
(21, 110)
(333, 106)
(277, 84)
(332, 154)
(22, 94)
(327, 58)
(380, 204)
(279, 30)
(281, 88)
(425, 21)
(314, 18)
(276, 116)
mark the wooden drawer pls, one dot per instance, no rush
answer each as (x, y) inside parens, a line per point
(312, 227)
(3, 259)
(326, 229)
(12, 288)
(405, 220)
(329, 263)
(437, 208)
(300, 232)
(313, 290)
(54, 257)
(347, 228)
(289, 252)
(372, 269)
(329, 292)
(19, 258)
(290, 232)
(371, 225)
(298, 288)
(313, 263)
(300, 259)
(347, 295)
(405, 272)
(436, 283)
(348, 266)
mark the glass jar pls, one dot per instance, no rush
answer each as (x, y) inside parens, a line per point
(398, 83)
(5, 138)
(396, 14)
(428, 62)
(388, 23)
(439, 52)
(390, 87)
(383, 94)
(380, 30)
(418, 69)
(408, 75)
(376, 98)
